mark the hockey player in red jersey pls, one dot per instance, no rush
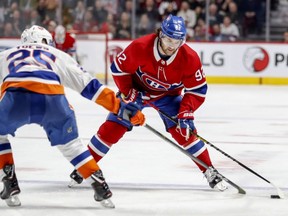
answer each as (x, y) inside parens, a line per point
(154, 70)
(32, 78)
(64, 41)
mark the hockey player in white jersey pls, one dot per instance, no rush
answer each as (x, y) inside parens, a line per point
(32, 77)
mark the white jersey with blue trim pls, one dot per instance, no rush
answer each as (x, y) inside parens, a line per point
(44, 69)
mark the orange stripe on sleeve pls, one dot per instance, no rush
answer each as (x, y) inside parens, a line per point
(108, 100)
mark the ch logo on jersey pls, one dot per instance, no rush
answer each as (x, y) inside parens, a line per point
(152, 83)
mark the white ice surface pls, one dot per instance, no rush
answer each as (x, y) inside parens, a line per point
(148, 176)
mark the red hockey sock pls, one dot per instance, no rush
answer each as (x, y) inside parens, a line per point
(109, 133)
(204, 156)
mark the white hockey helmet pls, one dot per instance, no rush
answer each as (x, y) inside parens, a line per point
(36, 34)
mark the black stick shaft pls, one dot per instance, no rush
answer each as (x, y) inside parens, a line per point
(240, 190)
(176, 146)
(215, 147)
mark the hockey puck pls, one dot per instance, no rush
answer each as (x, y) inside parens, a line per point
(275, 197)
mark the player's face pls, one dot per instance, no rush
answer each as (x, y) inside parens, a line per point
(169, 45)
(60, 38)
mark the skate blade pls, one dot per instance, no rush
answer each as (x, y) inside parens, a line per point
(221, 186)
(13, 201)
(72, 183)
(107, 203)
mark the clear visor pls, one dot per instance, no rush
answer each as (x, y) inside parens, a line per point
(170, 42)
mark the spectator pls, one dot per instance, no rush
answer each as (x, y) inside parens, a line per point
(67, 17)
(51, 26)
(42, 9)
(233, 13)
(164, 5)
(2, 9)
(99, 13)
(248, 15)
(34, 18)
(193, 4)
(88, 3)
(200, 30)
(18, 22)
(189, 33)
(274, 4)
(252, 16)
(224, 6)
(79, 12)
(8, 16)
(170, 9)
(216, 34)
(70, 3)
(151, 10)
(110, 6)
(229, 30)
(51, 8)
(188, 15)
(88, 24)
(285, 36)
(8, 30)
(139, 5)
(200, 14)
(27, 7)
(145, 26)
(214, 16)
(126, 7)
(123, 28)
(109, 26)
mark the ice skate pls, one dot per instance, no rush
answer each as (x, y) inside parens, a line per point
(215, 181)
(102, 191)
(11, 188)
(76, 178)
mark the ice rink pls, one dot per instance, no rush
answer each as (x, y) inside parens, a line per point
(148, 176)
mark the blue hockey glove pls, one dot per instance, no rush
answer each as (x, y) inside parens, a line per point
(185, 124)
(137, 97)
(131, 112)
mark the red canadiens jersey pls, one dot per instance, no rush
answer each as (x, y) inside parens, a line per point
(141, 67)
(69, 45)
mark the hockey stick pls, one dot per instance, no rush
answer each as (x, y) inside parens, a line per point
(240, 190)
(280, 192)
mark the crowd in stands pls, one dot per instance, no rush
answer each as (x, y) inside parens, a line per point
(229, 20)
